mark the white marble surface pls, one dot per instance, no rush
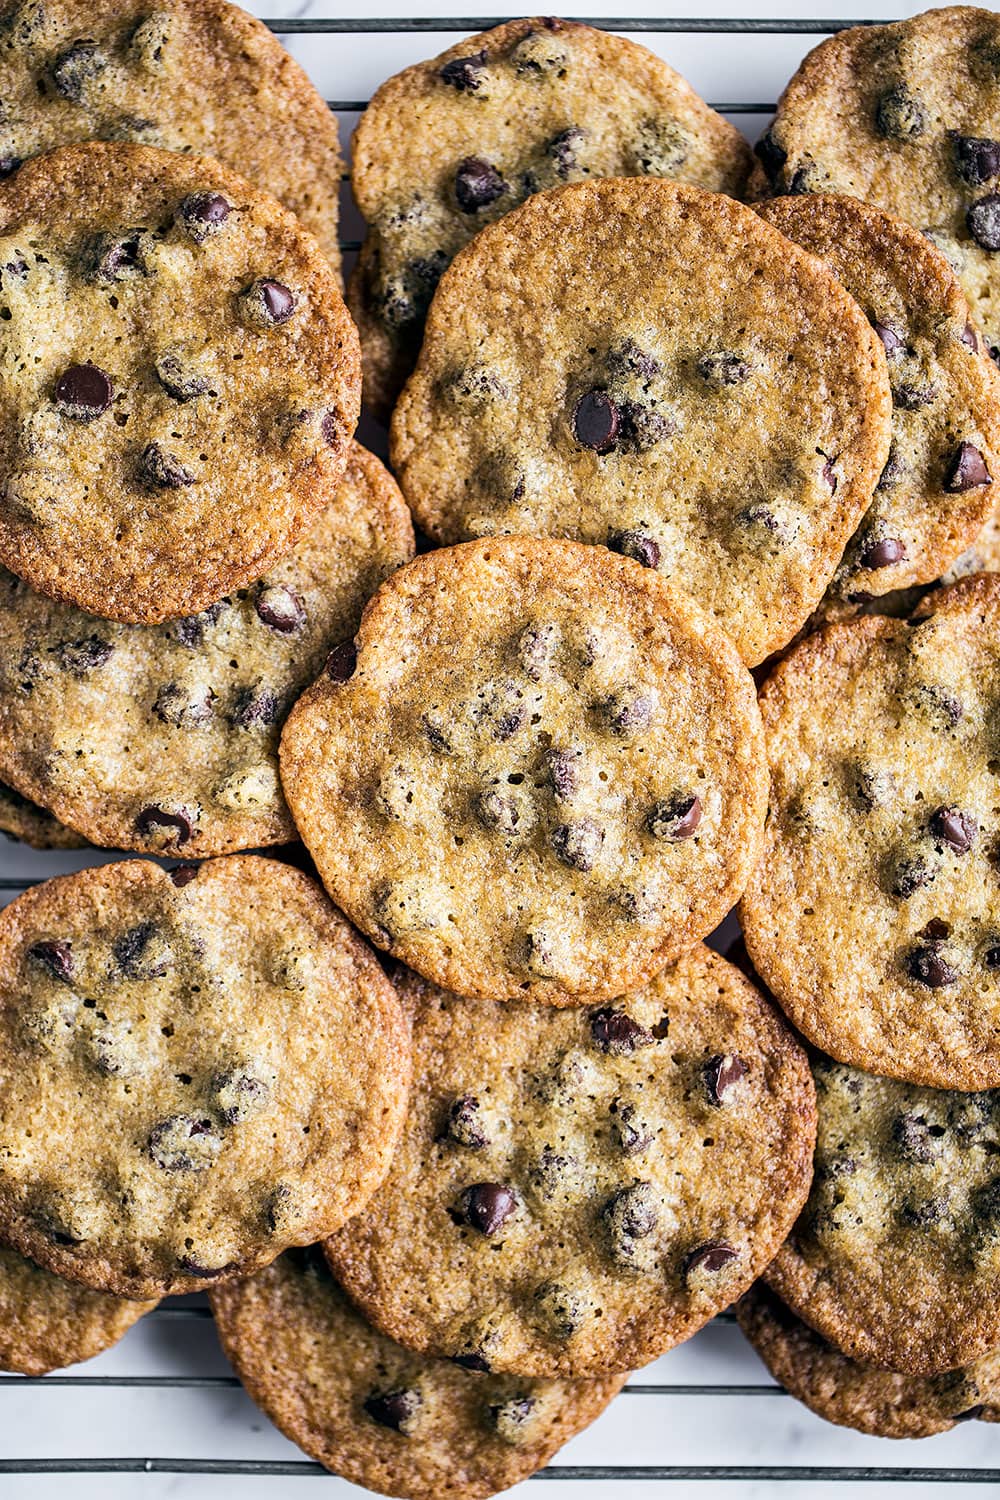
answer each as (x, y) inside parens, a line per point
(698, 1426)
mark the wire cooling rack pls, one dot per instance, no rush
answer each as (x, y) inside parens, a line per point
(706, 1412)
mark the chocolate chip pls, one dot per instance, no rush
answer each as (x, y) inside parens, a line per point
(636, 543)
(939, 704)
(83, 392)
(55, 955)
(477, 184)
(617, 1033)
(239, 1094)
(922, 1213)
(631, 1215)
(771, 156)
(182, 875)
(892, 341)
(502, 814)
(486, 1206)
(190, 630)
(871, 786)
(398, 1409)
(473, 1360)
(983, 221)
(986, 1203)
(967, 469)
(562, 769)
(341, 662)
(631, 1131)
(113, 258)
(254, 707)
(562, 1308)
(9, 164)
(712, 1257)
(142, 952)
(929, 967)
(970, 338)
(81, 657)
(955, 828)
(899, 115)
(184, 1143)
(281, 609)
(512, 1419)
(164, 469)
(643, 426)
(536, 647)
(910, 875)
(465, 1123)
(883, 553)
(203, 214)
(184, 709)
(267, 302)
(178, 378)
(675, 817)
(627, 712)
(911, 397)
(465, 73)
(721, 1074)
(577, 844)
(894, 470)
(177, 826)
(596, 421)
(915, 1139)
(73, 70)
(502, 709)
(721, 367)
(977, 158)
(627, 358)
(563, 148)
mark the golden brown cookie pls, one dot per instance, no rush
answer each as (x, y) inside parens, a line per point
(577, 1190)
(31, 824)
(46, 1322)
(181, 380)
(197, 1069)
(378, 1415)
(164, 738)
(537, 772)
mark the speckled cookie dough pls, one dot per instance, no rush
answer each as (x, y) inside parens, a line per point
(895, 1258)
(165, 738)
(936, 491)
(197, 1069)
(454, 143)
(378, 1415)
(47, 1323)
(31, 824)
(906, 116)
(562, 1200)
(179, 380)
(537, 772)
(651, 367)
(879, 1402)
(186, 75)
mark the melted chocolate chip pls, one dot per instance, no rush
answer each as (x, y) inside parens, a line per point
(268, 302)
(563, 148)
(477, 184)
(713, 1256)
(178, 379)
(631, 1215)
(628, 358)
(254, 707)
(596, 421)
(465, 73)
(113, 258)
(928, 966)
(967, 469)
(465, 1123)
(281, 609)
(83, 392)
(955, 828)
(616, 1033)
(577, 844)
(899, 115)
(182, 875)
(940, 704)
(398, 1410)
(341, 662)
(675, 817)
(636, 543)
(922, 1213)
(721, 1074)
(893, 342)
(184, 1143)
(73, 70)
(81, 657)
(970, 338)
(486, 1207)
(536, 648)
(977, 158)
(473, 1360)
(627, 712)
(139, 954)
(164, 469)
(203, 214)
(562, 769)
(983, 221)
(55, 955)
(883, 553)
(910, 875)
(178, 826)
(771, 156)
(239, 1095)
(190, 630)
(909, 397)
(631, 1131)
(9, 164)
(181, 709)
(915, 1139)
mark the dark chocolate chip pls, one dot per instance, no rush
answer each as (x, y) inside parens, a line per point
(627, 712)
(935, 928)
(179, 380)
(184, 710)
(239, 1094)
(9, 164)
(894, 470)
(81, 657)
(723, 367)
(132, 956)
(922, 1213)
(977, 158)
(892, 341)
(203, 214)
(578, 844)
(464, 73)
(909, 397)
(928, 966)
(83, 392)
(955, 828)
(970, 338)
(596, 421)
(627, 358)
(883, 553)
(675, 817)
(281, 609)
(563, 148)
(713, 1256)
(182, 875)
(616, 1033)
(631, 1214)
(55, 955)
(562, 768)
(986, 1203)
(636, 543)
(771, 156)
(341, 662)
(477, 184)
(398, 1410)
(486, 1206)
(915, 1139)
(939, 703)
(899, 115)
(536, 647)
(113, 258)
(254, 707)
(631, 1131)
(722, 1073)
(177, 825)
(910, 875)
(269, 302)
(73, 70)
(184, 1143)
(190, 630)
(465, 1123)
(194, 1267)
(967, 469)
(983, 221)
(473, 1360)
(164, 469)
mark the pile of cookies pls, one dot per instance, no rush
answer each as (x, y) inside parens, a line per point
(445, 1195)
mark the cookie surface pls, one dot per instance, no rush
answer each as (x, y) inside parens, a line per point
(187, 75)
(165, 738)
(905, 116)
(562, 1199)
(180, 380)
(874, 914)
(456, 142)
(651, 367)
(31, 824)
(46, 1322)
(896, 1256)
(879, 1402)
(537, 772)
(198, 1069)
(378, 1415)
(936, 491)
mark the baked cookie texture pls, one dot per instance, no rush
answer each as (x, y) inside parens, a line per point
(562, 1199)
(165, 738)
(651, 367)
(31, 824)
(198, 1069)
(47, 1323)
(895, 1259)
(874, 914)
(185, 75)
(936, 491)
(537, 772)
(879, 1402)
(456, 142)
(904, 116)
(180, 380)
(378, 1415)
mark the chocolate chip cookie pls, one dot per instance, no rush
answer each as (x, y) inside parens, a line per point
(874, 914)
(187, 75)
(577, 1190)
(651, 367)
(46, 1322)
(896, 1256)
(25, 820)
(165, 738)
(878, 1402)
(197, 1069)
(378, 1415)
(536, 772)
(452, 144)
(181, 380)
(936, 491)
(906, 116)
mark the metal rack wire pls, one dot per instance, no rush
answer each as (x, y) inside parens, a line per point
(173, 1315)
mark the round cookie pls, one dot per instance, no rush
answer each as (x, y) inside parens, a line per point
(454, 143)
(24, 820)
(197, 1069)
(874, 913)
(378, 1415)
(562, 1198)
(648, 366)
(537, 772)
(165, 738)
(879, 1402)
(188, 75)
(181, 380)
(895, 1258)
(936, 491)
(905, 116)
(47, 1323)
